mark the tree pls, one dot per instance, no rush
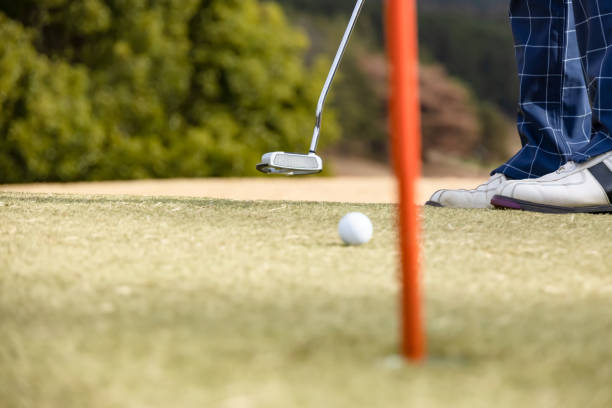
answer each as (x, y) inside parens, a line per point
(47, 127)
(157, 88)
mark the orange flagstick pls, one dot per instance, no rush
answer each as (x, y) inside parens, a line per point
(402, 40)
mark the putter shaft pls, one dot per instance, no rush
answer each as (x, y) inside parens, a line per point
(332, 73)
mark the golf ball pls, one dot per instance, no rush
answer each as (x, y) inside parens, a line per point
(355, 229)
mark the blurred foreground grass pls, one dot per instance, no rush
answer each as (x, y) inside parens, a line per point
(150, 302)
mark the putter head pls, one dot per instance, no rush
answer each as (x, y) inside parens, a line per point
(290, 164)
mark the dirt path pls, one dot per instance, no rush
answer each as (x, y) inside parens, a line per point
(379, 189)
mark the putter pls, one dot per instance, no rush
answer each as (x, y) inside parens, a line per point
(294, 164)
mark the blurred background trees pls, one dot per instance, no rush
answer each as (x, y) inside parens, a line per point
(101, 89)
(118, 89)
(468, 78)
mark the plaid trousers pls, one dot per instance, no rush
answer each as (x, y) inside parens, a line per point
(565, 72)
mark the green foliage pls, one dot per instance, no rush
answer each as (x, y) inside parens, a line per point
(100, 89)
(483, 7)
(332, 7)
(471, 38)
(362, 109)
(469, 42)
(475, 49)
(251, 77)
(47, 128)
(371, 15)
(494, 129)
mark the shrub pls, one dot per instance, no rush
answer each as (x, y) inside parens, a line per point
(105, 89)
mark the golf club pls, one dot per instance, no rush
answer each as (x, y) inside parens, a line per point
(293, 164)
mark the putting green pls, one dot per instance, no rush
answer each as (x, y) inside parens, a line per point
(161, 302)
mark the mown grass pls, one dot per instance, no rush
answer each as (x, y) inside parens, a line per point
(148, 302)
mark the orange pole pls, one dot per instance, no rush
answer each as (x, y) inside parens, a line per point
(402, 40)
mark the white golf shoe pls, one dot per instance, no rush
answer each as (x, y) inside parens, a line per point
(477, 198)
(574, 188)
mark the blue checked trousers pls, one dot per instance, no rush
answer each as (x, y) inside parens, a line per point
(564, 57)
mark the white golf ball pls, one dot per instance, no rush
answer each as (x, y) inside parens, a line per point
(355, 229)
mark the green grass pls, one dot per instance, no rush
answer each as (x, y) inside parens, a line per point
(147, 302)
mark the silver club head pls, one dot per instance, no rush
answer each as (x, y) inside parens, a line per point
(290, 164)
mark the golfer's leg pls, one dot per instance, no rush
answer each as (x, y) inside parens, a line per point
(594, 32)
(539, 27)
(585, 183)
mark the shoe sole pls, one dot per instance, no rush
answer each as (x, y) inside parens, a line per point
(434, 204)
(514, 204)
